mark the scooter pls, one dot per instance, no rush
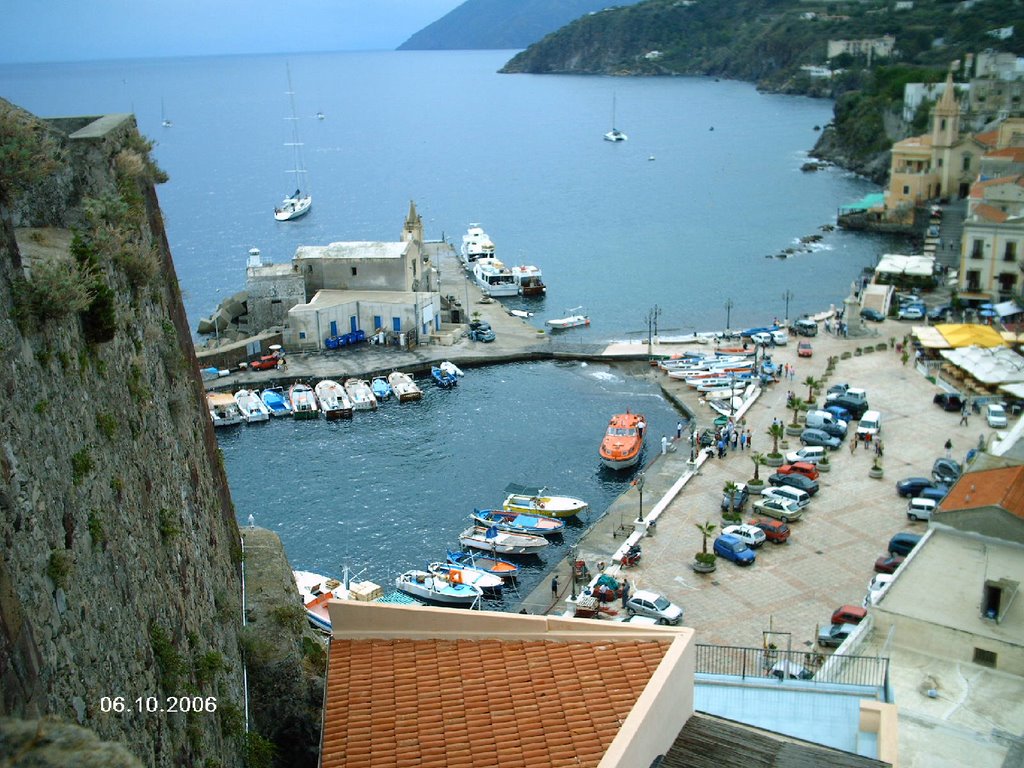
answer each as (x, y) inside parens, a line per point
(632, 556)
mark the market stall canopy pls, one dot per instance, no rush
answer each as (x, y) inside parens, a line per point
(1007, 309)
(990, 366)
(900, 264)
(929, 337)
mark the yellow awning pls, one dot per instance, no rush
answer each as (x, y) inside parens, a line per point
(970, 335)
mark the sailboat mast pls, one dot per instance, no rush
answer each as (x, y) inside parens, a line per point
(299, 170)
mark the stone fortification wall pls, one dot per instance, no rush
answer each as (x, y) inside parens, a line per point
(119, 570)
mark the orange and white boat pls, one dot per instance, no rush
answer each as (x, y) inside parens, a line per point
(623, 440)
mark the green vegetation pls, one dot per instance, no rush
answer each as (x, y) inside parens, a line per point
(96, 532)
(169, 524)
(28, 154)
(41, 407)
(59, 567)
(291, 617)
(168, 659)
(207, 666)
(81, 465)
(259, 751)
(106, 423)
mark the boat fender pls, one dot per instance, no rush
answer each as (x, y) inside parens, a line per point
(455, 577)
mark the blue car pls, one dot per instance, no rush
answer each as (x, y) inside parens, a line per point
(732, 548)
(839, 412)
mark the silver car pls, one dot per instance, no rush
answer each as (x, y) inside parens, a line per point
(651, 604)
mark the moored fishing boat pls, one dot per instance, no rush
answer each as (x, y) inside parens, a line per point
(423, 585)
(253, 409)
(224, 411)
(334, 400)
(381, 388)
(276, 401)
(623, 441)
(315, 591)
(303, 400)
(529, 279)
(534, 500)
(404, 387)
(517, 522)
(575, 318)
(449, 367)
(361, 394)
(443, 378)
(494, 278)
(490, 539)
(488, 563)
(476, 244)
(488, 582)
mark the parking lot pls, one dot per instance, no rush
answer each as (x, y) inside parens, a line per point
(793, 588)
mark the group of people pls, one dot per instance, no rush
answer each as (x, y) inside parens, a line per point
(732, 435)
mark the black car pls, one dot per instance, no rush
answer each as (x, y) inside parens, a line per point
(872, 314)
(946, 471)
(795, 480)
(738, 501)
(834, 429)
(949, 401)
(855, 407)
(912, 486)
(902, 543)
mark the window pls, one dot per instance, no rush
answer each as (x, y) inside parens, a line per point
(378, 322)
(976, 249)
(1010, 254)
(939, 162)
(966, 166)
(973, 280)
(984, 658)
(906, 189)
(302, 334)
(353, 271)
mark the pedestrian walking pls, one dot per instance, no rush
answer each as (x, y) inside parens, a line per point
(735, 439)
(949, 449)
(252, 521)
(749, 437)
(743, 441)
(664, 444)
(679, 430)
(554, 587)
(879, 448)
(640, 425)
(963, 415)
(853, 445)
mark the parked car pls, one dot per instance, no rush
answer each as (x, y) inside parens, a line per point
(911, 312)
(995, 414)
(855, 407)
(835, 391)
(948, 401)
(265, 363)
(936, 493)
(799, 468)
(833, 635)
(750, 535)
(912, 486)
(939, 313)
(876, 588)
(902, 542)
(946, 471)
(781, 509)
(920, 509)
(739, 500)
(647, 603)
(481, 334)
(733, 548)
(818, 438)
(796, 481)
(872, 314)
(811, 454)
(848, 614)
(805, 327)
(789, 493)
(790, 670)
(804, 349)
(933, 230)
(888, 563)
(839, 412)
(836, 428)
(775, 531)
(780, 337)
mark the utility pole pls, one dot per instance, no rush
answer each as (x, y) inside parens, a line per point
(728, 315)
(787, 296)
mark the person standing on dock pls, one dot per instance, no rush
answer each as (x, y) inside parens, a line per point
(640, 426)
(554, 587)
(679, 430)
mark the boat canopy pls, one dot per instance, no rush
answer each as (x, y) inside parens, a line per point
(525, 490)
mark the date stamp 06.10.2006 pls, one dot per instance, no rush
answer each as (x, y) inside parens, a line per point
(122, 705)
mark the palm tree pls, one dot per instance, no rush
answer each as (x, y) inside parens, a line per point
(797, 405)
(730, 490)
(706, 530)
(776, 432)
(812, 384)
(759, 460)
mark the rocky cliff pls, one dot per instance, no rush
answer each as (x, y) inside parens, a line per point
(120, 591)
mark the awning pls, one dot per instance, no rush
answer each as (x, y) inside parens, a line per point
(1007, 308)
(970, 334)
(930, 337)
(990, 366)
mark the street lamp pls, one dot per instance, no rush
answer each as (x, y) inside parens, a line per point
(693, 442)
(572, 577)
(728, 314)
(639, 481)
(787, 296)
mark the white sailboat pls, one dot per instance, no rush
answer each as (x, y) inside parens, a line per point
(164, 120)
(614, 134)
(298, 203)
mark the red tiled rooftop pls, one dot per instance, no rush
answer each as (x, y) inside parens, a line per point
(988, 138)
(478, 703)
(990, 213)
(994, 487)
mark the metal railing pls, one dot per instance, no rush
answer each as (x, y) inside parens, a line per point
(812, 666)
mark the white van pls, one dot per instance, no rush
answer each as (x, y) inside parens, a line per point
(795, 495)
(920, 509)
(870, 424)
(818, 420)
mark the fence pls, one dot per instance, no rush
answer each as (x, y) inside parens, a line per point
(761, 663)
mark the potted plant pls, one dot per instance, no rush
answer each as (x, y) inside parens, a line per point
(876, 468)
(731, 513)
(775, 459)
(813, 385)
(704, 561)
(756, 484)
(796, 405)
(824, 465)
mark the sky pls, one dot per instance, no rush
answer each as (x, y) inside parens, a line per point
(83, 30)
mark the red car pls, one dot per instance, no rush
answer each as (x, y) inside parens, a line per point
(265, 363)
(804, 349)
(848, 614)
(775, 531)
(799, 468)
(888, 563)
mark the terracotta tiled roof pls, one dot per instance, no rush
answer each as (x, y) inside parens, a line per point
(990, 213)
(989, 488)
(478, 703)
(988, 138)
(1014, 153)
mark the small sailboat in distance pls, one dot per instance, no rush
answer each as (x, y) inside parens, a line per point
(298, 203)
(614, 134)
(164, 120)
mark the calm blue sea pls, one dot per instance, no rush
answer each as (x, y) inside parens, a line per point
(686, 216)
